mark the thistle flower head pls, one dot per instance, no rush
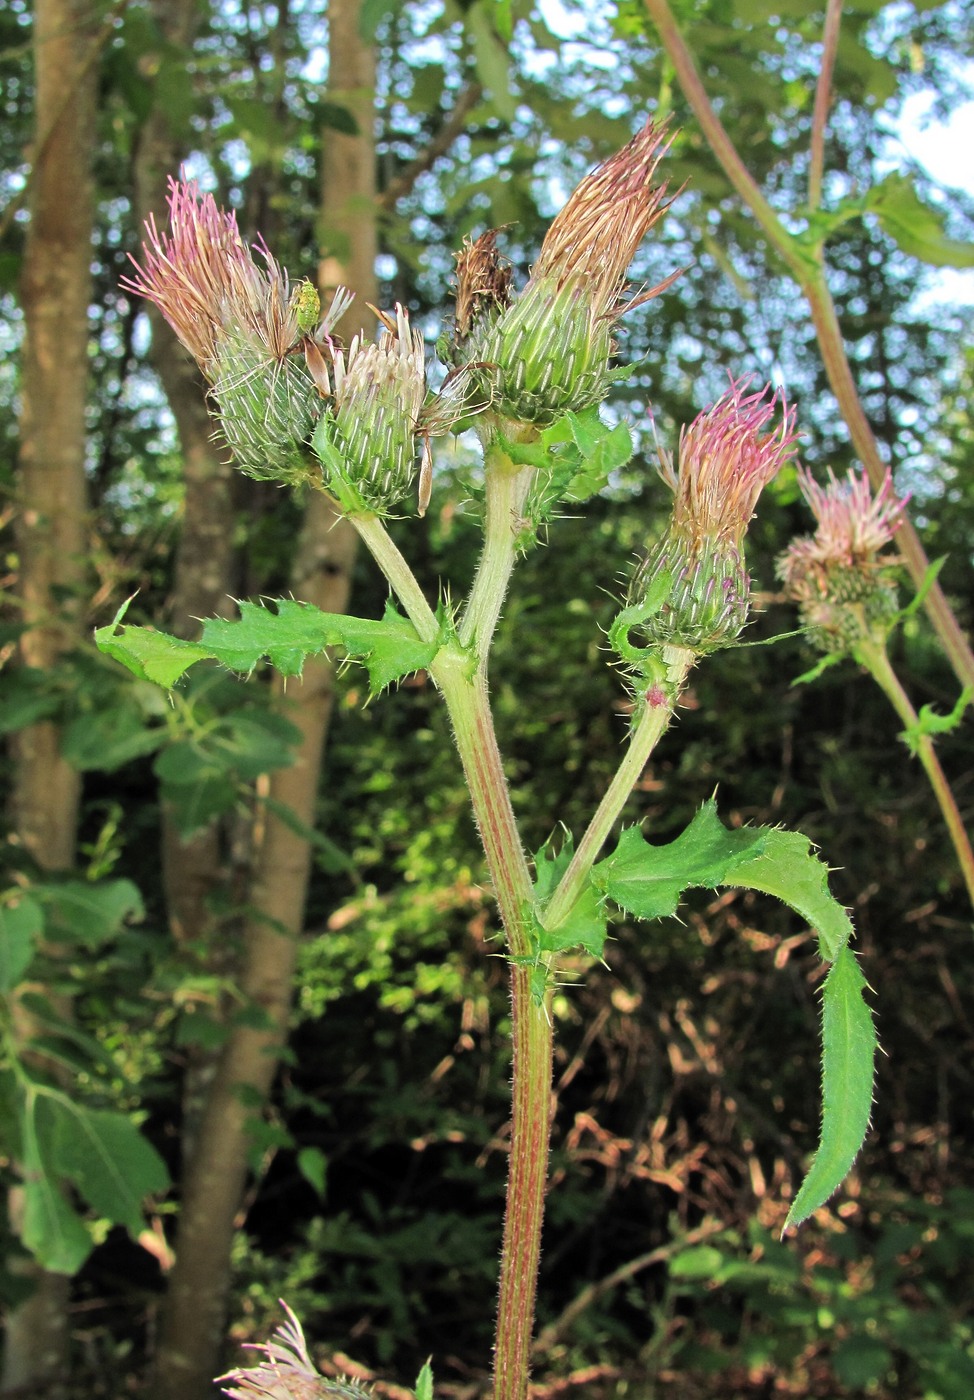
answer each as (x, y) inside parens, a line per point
(287, 1373)
(845, 590)
(726, 459)
(694, 587)
(257, 341)
(366, 438)
(548, 350)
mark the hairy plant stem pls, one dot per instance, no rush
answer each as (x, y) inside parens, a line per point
(806, 267)
(399, 575)
(465, 693)
(876, 661)
(650, 726)
(507, 489)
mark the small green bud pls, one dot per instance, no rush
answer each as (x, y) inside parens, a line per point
(366, 437)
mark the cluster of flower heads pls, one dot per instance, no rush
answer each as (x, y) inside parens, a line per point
(295, 405)
(287, 1372)
(693, 588)
(281, 382)
(844, 586)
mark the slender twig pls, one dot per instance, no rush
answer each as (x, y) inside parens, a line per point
(91, 57)
(808, 273)
(594, 1291)
(823, 100)
(453, 124)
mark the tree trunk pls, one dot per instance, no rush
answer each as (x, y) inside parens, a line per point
(193, 869)
(56, 291)
(194, 1320)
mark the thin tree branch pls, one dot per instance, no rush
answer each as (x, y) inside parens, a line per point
(453, 125)
(547, 1338)
(823, 101)
(97, 44)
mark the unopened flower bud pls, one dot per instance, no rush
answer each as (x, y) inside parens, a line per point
(366, 437)
(259, 344)
(693, 590)
(845, 591)
(549, 350)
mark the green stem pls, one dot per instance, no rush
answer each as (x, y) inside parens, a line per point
(506, 491)
(466, 697)
(400, 576)
(652, 723)
(877, 663)
(808, 273)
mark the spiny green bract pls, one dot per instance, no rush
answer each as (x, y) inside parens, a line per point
(267, 411)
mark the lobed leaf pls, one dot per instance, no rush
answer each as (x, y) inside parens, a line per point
(648, 880)
(389, 647)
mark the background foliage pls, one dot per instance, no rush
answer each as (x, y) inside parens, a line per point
(686, 1101)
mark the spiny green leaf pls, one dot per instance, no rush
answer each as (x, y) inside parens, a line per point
(788, 868)
(848, 1051)
(389, 647)
(648, 880)
(930, 722)
(150, 655)
(585, 924)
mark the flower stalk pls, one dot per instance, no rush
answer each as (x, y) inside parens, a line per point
(846, 591)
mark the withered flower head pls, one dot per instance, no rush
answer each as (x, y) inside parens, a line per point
(548, 350)
(483, 284)
(845, 589)
(695, 576)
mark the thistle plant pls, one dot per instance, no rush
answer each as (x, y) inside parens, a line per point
(847, 591)
(528, 370)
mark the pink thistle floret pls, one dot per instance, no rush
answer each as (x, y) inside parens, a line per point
(287, 1373)
(204, 280)
(726, 459)
(853, 524)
